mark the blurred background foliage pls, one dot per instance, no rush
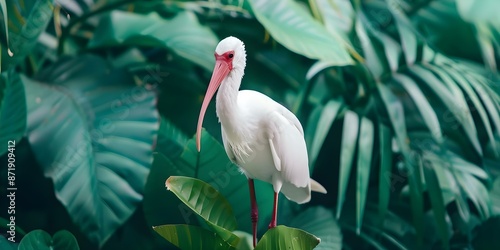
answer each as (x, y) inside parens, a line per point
(399, 99)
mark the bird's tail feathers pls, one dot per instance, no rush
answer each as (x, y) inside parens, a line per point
(316, 187)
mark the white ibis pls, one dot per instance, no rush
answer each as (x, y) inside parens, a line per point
(261, 136)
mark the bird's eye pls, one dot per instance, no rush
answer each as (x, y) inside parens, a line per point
(231, 55)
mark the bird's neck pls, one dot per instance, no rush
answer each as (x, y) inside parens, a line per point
(228, 111)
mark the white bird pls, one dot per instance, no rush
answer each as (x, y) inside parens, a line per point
(261, 136)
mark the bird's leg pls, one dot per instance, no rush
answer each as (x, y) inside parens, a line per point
(254, 214)
(274, 220)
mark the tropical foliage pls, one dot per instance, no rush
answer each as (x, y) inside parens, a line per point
(400, 101)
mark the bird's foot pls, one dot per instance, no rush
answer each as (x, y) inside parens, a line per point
(272, 224)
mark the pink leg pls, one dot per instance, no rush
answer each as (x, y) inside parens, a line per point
(274, 219)
(254, 214)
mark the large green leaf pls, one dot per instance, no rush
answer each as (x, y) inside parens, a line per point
(348, 147)
(92, 132)
(26, 22)
(282, 237)
(41, 240)
(191, 237)
(297, 30)
(216, 169)
(206, 202)
(12, 110)
(213, 167)
(183, 34)
(365, 151)
(320, 222)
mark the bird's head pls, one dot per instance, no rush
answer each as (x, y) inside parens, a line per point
(230, 56)
(230, 52)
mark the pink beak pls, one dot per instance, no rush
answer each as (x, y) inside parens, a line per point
(221, 70)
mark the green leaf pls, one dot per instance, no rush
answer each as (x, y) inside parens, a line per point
(4, 221)
(406, 31)
(473, 97)
(437, 202)
(477, 192)
(453, 100)
(372, 59)
(326, 119)
(191, 237)
(385, 174)
(25, 27)
(92, 132)
(171, 139)
(282, 237)
(6, 244)
(392, 49)
(3, 6)
(320, 222)
(12, 111)
(348, 147)
(337, 16)
(186, 37)
(396, 115)
(479, 10)
(365, 151)
(206, 202)
(41, 240)
(216, 169)
(297, 30)
(397, 118)
(422, 104)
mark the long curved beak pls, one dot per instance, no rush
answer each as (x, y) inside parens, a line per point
(221, 70)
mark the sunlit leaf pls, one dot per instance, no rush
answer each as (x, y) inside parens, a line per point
(365, 151)
(191, 237)
(12, 111)
(213, 167)
(297, 30)
(92, 131)
(422, 104)
(41, 240)
(206, 202)
(282, 237)
(348, 147)
(186, 36)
